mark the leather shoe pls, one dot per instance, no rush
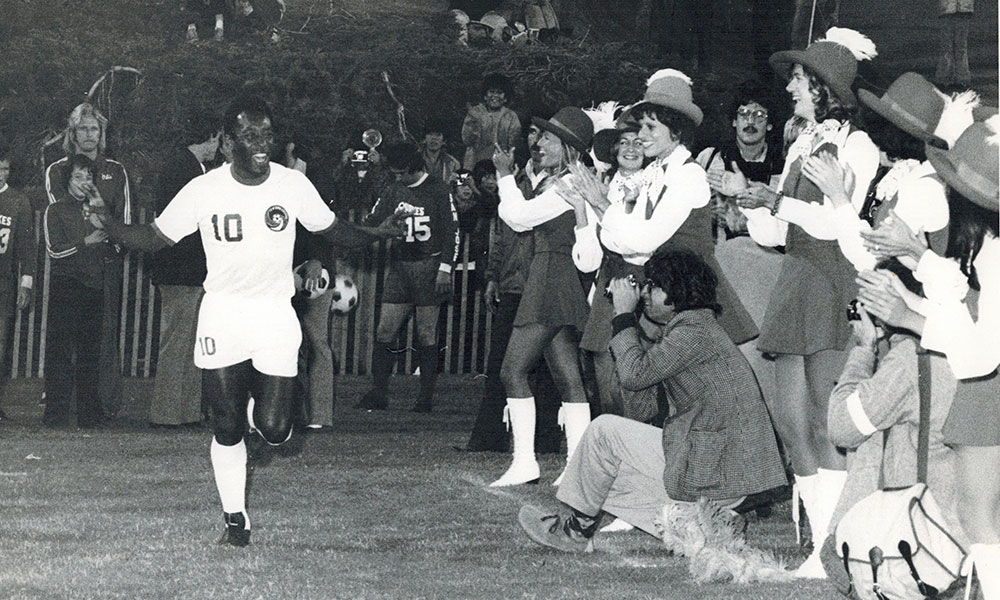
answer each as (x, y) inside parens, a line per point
(553, 531)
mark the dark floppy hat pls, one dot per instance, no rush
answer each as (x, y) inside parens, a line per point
(972, 165)
(834, 59)
(911, 103)
(570, 125)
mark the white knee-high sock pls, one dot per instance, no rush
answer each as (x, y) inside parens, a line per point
(229, 463)
(520, 417)
(831, 484)
(575, 418)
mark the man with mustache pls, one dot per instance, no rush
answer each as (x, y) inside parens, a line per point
(751, 155)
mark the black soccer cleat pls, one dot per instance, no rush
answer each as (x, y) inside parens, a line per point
(237, 532)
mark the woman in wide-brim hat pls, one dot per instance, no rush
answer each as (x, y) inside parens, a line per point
(907, 199)
(804, 326)
(960, 318)
(552, 304)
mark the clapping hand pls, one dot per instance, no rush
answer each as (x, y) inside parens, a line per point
(503, 161)
(826, 172)
(726, 182)
(894, 238)
(881, 298)
(756, 195)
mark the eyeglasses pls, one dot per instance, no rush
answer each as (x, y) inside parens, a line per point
(757, 115)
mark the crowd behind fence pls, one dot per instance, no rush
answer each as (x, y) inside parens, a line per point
(464, 331)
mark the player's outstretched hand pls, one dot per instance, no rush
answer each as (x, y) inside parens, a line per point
(393, 226)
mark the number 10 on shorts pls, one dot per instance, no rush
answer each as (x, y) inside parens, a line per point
(206, 345)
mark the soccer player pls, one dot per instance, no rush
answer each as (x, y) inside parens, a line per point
(17, 254)
(247, 335)
(419, 275)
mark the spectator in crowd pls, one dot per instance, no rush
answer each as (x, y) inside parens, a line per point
(358, 179)
(198, 13)
(437, 161)
(958, 318)
(316, 356)
(80, 262)
(243, 212)
(751, 154)
(484, 176)
(539, 15)
(473, 220)
(954, 19)
(875, 413)
(553, 307)
(179, 272)
(419, 277)
(490, 122)
(17, 256)
(86, 133)
(671, 205)
(804, 325)
(510, 255)
(719, 444)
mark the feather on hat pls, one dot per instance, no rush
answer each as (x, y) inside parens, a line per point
(834, 59)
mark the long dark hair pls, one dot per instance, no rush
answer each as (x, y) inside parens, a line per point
(968, 226)
(828, 105)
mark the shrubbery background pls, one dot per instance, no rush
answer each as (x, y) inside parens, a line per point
(324, 75)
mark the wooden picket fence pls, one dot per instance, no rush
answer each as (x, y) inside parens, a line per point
(463, 330)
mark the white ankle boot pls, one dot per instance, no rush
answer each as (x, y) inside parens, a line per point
(519, 414)
(820, 494)
(984, 559)
(574, 417)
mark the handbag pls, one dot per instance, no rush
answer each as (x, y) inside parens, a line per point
(894, 544)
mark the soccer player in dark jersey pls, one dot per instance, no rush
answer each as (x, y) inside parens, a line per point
(419, 274)
(17, 254)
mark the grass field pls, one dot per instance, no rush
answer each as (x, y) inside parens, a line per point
(381, 506)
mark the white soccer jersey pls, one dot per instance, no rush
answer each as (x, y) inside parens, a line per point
(248, 231)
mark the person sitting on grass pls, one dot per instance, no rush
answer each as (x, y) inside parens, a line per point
(717, 441)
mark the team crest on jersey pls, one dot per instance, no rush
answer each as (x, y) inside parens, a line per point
(276, 218)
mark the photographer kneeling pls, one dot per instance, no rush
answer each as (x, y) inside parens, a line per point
(717, 440)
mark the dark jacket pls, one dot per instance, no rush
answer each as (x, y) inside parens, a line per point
(718, 439)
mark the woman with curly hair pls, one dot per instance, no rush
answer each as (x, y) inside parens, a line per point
(804, 326)
(553, 307)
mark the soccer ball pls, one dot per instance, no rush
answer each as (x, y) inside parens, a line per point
(343, 295)
(321, 285)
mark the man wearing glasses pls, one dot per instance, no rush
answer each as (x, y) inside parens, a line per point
(751, 155)
(717, 441)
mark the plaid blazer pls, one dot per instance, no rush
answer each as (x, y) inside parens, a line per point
(718, 440)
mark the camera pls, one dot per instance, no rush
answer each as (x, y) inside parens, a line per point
(359, 157)
(852, 311)
(631, 282)
(463, 178)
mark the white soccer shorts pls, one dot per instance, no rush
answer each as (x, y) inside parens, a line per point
(232, 330)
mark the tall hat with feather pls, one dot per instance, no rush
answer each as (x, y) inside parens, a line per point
(834, 59)
(605, 134)
(972, 165)
(672, 89)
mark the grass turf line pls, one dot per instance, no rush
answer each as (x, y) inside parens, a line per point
(380, 506)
